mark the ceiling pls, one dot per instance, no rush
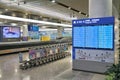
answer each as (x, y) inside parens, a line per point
(57, 9)
(47, 10)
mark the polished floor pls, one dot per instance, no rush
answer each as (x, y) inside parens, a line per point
(58, 70)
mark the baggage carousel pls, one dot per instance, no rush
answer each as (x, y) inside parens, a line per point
(12, 47)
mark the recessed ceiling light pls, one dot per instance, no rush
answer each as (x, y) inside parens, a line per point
(6, 9)
(74, 18)
(80, 12)
(86, 15)
(13, 14)
(53, 1)
(26, 13)
(69, 7)
(16, 70)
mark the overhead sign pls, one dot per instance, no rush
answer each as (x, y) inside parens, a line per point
(93, 21)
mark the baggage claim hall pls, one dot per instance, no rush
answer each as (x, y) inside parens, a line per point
(59, 39)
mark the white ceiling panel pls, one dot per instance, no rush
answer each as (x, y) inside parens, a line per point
(46, 7)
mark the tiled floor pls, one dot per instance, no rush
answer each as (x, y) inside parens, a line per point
(58, 70)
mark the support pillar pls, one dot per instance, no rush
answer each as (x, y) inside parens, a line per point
(25, 28)
(100, 8)
(25, 31)
(60, 31)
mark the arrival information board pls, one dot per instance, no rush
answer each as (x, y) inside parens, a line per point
(105, 36)
(94, 36)
(79, 37)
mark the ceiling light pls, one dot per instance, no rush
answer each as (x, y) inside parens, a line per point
(26, 13)
(86, 15)
(13, 24)
(48, 30)
(0, 75)
(1, 22)
(53, 1)
(68, 29)
(80, 12)
(74, 18)
(43, 27)
(6, 9)
(13, 14)
(16, 70)
(69, 7)
(33, 21)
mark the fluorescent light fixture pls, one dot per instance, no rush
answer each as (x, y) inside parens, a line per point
(43, 27)
(33, 21)
(0, 75)
(13, 24)
(48, 30)
(68, 29)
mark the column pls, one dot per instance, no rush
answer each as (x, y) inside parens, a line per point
(60, 31)
(25, 30)
(25, 27)
(105, 8)
(100, 8)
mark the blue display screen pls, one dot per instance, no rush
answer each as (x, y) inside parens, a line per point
(100, 36)
(91, 39)
(79, 37)
(105, 36)
(33, 28)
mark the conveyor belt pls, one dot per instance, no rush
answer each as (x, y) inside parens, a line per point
(24, 44)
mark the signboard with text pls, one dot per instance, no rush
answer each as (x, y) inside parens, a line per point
(93, 39)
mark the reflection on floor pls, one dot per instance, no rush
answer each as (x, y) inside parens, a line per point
(58, 70)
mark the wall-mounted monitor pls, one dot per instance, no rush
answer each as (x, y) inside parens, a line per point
(11, 32)
(33, 28)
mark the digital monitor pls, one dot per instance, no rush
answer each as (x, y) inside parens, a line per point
(10, 32)
(94, 36)
(79, 37)
(33, 28)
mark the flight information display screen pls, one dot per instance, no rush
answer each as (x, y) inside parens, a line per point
(79, 37)
(97, 37)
